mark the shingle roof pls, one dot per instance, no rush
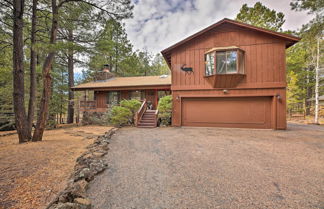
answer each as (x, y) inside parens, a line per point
(127, 82)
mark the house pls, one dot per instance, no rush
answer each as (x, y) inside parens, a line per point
(230, 74)
(109, 90)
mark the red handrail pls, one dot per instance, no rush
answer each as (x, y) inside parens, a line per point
(140, 112)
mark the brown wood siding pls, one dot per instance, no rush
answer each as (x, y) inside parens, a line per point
(124, 95)
(101, 99)
(264, 58)
(264, 66)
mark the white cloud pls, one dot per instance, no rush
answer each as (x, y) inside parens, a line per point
(158, 24)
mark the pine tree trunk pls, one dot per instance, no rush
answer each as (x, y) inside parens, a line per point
(33, 56)
(71, 81)
(308, 94)
(317, 84)
(18, 71)
(47, 79)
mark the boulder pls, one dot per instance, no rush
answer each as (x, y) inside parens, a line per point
(83, 203)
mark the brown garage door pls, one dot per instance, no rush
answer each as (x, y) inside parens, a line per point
(240, 112)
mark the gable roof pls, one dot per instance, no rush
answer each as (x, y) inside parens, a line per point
(290, 39)
(117, 82)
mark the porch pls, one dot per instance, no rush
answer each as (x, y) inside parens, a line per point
(101, 95)
(101, 101)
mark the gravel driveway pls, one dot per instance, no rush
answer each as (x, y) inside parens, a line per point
(213, 168)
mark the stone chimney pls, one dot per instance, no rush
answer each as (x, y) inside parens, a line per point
(104, 74)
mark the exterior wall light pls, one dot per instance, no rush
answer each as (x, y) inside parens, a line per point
(225, 91)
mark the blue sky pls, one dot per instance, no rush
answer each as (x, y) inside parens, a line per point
(158, 24)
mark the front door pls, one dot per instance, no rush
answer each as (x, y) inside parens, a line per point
(151, 97)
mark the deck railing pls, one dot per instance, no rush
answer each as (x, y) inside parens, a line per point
(88, 105)
(156, 116)
(140, 112)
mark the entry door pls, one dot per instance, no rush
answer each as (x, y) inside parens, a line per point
(152, 97)
(240, 112)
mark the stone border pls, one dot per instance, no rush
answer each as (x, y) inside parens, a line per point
(88, 165)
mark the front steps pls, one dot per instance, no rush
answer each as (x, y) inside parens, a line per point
(148, 120)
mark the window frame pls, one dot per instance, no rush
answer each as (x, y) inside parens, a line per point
(240, 61)
(142, 94)
(108, 102)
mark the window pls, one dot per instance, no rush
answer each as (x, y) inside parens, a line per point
(210, 65)
(139, 95)
(113, 98)
(224, 62)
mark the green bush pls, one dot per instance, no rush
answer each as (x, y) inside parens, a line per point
(133, 105)
(165, 110)
(120, 115)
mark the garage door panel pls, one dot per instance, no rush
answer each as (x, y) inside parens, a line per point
(227, 112)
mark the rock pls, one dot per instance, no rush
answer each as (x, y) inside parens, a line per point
(87, 166)
(83, 203)
(84, 173)
(63, 198)
(67, 205)
(98, 154)
(97, 167)
(79, 188)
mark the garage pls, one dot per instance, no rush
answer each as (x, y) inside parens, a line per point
(237, 112)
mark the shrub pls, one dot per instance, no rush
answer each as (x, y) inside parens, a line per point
(133, 105)
(93, 118)
(120, 115)
(165, 110)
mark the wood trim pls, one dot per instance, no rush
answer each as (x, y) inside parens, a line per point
(226, 95)
(272, 85)
(167, 87)
(274, 112)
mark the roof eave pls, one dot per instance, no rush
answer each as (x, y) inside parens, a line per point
(76, 88)
(289, 38)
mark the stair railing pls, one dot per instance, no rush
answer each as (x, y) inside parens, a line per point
(140, 112)
(156, 116)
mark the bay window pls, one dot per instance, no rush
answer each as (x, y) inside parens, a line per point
(224, 61)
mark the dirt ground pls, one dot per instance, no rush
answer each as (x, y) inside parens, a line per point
(33, 173)
(213, 168)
